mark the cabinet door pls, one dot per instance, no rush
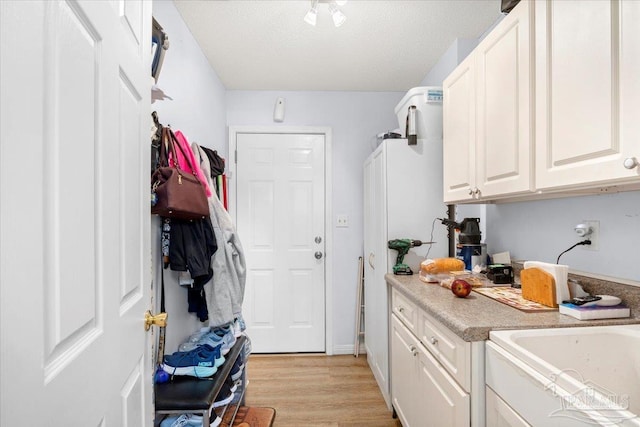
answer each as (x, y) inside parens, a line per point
(504, 156)
(375, 289)
(499, 414)
(442, 402)
(404, 358)
(587, 92)
(369, 254)
(459, 133)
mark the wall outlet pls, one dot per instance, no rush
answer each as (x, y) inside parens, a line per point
(594, 236)
(343, 221)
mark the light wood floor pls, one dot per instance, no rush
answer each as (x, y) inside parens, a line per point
(317, 390)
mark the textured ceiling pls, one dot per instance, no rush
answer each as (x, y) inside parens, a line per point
(383, 46)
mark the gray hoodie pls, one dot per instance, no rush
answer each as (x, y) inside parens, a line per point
(224, 299)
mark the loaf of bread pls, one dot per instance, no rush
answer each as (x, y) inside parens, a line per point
(441, 265)
(538, 286)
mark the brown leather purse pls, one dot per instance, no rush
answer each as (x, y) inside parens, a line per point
(178, 194)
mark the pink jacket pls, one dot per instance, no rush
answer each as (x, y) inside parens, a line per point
(185, 164)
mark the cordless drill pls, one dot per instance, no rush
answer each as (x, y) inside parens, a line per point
(403, 246)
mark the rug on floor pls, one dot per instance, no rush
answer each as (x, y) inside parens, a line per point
(249, 416)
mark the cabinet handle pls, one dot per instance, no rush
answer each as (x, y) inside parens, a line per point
(470, 192)
(400, 309)
(630, 163)
(477, 192)
(433, 340)
(372, 255)
(413, 350)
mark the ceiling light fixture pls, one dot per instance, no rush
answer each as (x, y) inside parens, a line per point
(312, 16)
(338, 17)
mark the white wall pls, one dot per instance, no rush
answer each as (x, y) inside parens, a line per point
(540, 230)
(458, 50)
(355, 118)
(198, 110)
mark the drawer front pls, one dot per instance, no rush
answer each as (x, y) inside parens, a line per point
(452, 351)
(406, 311)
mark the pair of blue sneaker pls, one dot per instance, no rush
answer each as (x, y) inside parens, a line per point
(223, 336)
(202, 361)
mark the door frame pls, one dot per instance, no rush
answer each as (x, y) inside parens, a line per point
(233, 211)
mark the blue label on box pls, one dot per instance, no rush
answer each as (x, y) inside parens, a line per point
(434, 95)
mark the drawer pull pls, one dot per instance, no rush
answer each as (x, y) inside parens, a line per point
(413, 350)
(400, 309)
(433, 340)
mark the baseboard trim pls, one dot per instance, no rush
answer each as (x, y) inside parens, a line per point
(347, 349)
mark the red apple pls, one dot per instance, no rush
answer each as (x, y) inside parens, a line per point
(460, 288)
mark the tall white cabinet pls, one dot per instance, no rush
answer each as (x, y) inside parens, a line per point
(402, 198)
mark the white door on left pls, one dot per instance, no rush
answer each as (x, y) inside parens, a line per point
(74, 213)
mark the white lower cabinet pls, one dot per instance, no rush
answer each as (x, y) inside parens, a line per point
(404, 365)
(499, 414)
(424, 392)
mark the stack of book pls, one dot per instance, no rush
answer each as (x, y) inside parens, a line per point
(582, 312)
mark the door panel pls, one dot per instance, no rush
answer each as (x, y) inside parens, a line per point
(587, 95)
(280, 204)
(504, 143)
(74, 217)
(459, 130)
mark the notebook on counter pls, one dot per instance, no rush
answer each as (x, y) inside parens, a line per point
(595, 311)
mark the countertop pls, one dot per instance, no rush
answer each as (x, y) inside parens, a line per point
(473, 317)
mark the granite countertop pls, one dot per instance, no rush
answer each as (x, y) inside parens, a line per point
(473, 317)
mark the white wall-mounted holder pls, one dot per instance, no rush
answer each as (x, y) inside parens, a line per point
(278, 111)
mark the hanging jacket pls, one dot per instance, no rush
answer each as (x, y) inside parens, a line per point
(228, 263)
(192, 245)
(185, 163)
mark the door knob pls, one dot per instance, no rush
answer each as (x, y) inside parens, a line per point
(318, 255)
(159, 319)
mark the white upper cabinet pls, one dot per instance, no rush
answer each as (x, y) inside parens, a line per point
(587, 93)
(548, 103)
(504, 155)
(459, 133)
(488, 116)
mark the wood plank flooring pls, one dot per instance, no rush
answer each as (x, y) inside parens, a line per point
(317, 390)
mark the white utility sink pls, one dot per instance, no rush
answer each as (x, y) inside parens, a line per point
(586, 374)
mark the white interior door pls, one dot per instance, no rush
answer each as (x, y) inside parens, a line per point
(74, 217)
(280, 219)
